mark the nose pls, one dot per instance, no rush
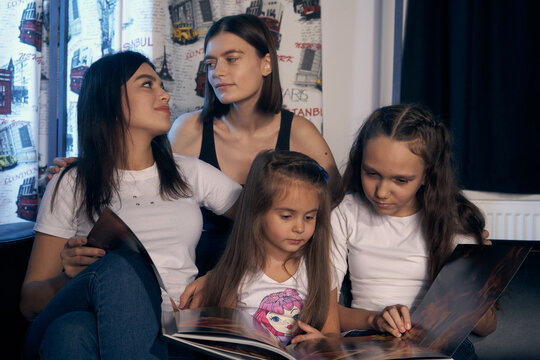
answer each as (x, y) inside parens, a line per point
(382, 190)
(219, 69)
(165, 95)
(298, 226)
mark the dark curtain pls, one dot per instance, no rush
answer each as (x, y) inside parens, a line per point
(476, 65)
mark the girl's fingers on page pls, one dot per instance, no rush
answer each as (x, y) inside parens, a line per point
(311, 333)
(307, 328)
(395, 313)
(390, 320)
(190, 291)
(196, 301)
(384, 326)
(406, 316)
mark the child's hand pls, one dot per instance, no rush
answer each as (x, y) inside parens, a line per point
(75, 256)
(191, 297)
(59, 164)
(394, 319)
(311, 333)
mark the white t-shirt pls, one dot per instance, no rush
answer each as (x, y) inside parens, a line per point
(387, 255)
(275, 305)
(169, 230)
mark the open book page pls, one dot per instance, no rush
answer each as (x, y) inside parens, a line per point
(372, 347)
(234, 334)
(230, 330)
(110, 232)
(467, 286)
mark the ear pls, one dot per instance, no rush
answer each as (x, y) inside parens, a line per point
(266, 65)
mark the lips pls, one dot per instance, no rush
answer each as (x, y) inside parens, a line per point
(222, 86)
(164, 109)
(294, 241)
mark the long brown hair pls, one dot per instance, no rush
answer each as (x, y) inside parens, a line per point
(271, 174)
(446, 211)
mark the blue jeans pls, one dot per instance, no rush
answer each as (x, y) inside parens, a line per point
(111, 310)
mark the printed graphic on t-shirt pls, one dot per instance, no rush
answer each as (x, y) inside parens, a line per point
(278, 312)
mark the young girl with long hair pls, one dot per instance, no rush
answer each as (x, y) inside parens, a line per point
(83, 302)
(276, 264)
(400, 219)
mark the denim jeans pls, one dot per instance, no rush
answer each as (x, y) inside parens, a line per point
(111, 310)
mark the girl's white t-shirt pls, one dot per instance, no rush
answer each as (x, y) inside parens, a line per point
(387, 256)
(275, 305)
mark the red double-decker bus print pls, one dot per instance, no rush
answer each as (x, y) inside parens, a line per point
(30, 26)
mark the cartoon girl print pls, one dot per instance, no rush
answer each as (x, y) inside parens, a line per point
(278, 312)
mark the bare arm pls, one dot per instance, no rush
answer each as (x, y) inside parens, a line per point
(331, 326)
(44, 275)
(306, 138)
(186, 135)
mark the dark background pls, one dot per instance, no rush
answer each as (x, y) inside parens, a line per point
(475, 64)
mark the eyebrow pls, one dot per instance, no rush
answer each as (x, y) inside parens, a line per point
(292, 210)
(228, 52)
(146, 76)
(369, 168)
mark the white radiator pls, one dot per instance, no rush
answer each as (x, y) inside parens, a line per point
(511, 220)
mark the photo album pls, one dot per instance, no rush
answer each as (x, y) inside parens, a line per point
(467, 286)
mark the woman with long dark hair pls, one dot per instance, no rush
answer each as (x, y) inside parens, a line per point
(84, 302)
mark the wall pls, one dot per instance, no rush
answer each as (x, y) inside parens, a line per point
(357, 38)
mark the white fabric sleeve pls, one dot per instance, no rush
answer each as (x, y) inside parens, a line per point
(61, 221)
(340, 237)
(464, 239)
(214, 190)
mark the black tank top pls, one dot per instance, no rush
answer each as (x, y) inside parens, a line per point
(208, 146)
(216, 229)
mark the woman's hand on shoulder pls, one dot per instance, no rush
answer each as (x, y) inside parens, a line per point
(59, 164)
(76, 257)
(306, 139)
(186, 134)
(394, 319)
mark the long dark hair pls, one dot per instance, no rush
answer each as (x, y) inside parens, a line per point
(446, 211)
(103, 128)
(252, 30)
(271, 174)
